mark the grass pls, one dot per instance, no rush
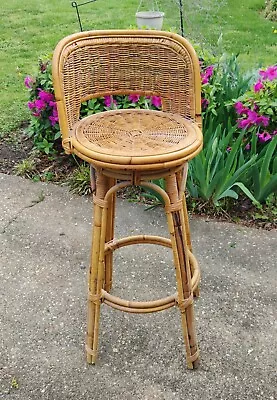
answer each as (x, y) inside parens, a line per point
(32, 28)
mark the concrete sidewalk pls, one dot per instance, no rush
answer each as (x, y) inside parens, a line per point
(45, 242)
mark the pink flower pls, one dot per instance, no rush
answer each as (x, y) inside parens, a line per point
(229, 149)
(28, 82)
(258, 86)
(248, 147)
(204, 103)
(53, 104)
(207, 74)
(109, 100)
(54, 118)
(264, 137)
(31, 105)
(36, 113)
(244, 123)
(134, 98)
(274, 133)
(240, 108)
(45, 96)
(156, 101)
(270, 73)
(262, 120)
(252, 116)
(39, 104)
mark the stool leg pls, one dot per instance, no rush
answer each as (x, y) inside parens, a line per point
(96, 273)
(196, 292)
(181, 180)
(175, 217)
(109, 237)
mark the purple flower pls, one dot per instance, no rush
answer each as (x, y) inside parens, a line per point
(274, 133)
(53, 104)
(134, 98)
(31, 105)
(39, 104)
(45, 96)
(240, 108)
(156, 101)
(270, 73)
(262, 120)
(54, 118)
(205, 76)
(109, 100)
(244, 123)
(204, 103)
(28, 82)
(264, 137)
(258, 86)
(252, 117)
(248, 147)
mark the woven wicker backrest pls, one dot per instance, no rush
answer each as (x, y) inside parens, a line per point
(99, 63)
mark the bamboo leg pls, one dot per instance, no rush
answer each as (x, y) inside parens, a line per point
(181, 179)
(96, 273)
(109, 237)
(177, 230)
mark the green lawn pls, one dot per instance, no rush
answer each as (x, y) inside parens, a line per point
(32, 28)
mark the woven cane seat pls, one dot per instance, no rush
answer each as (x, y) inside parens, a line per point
(136, 137)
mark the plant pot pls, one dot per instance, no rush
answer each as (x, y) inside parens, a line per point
(150, 19)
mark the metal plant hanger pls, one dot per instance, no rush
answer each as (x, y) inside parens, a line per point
(153, 3)
(76, 5)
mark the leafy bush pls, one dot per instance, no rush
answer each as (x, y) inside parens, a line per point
(239, 127)
(44, 126)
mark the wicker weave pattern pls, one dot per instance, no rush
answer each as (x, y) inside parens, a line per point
(135, 133)
(99, 65)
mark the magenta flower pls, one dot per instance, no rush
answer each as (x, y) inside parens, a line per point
(240, 108)
(156, 101)
(258, 86)
(204, 103)
(244, 123)
(109, 100)
(54, 119)
(39, 104)
(262, 120)
(205, 76)
(274, 133)
(134, 98)
(53, 104)
(31, 105)
(45, 96)
(270, 73)
(28, 82)
(248, 147)
(264, 137)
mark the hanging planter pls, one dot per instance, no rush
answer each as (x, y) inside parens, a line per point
(152, 18)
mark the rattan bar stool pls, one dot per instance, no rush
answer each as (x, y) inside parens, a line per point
(133, 147)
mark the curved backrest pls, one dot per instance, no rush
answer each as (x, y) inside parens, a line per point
(99, 63)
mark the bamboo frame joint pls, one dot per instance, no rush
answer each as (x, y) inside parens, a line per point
(184, 304)
(95, 298)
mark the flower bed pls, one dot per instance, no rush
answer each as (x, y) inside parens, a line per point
(239, 127)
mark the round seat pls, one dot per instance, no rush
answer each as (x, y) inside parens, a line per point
(136, 138)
